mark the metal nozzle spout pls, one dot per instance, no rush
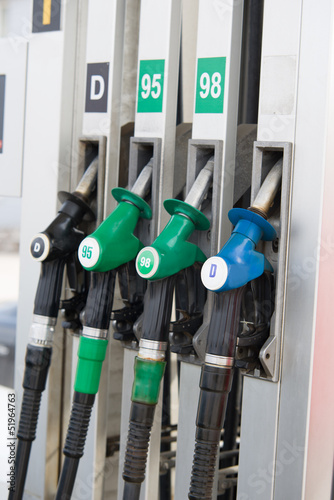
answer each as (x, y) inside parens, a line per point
(142, 185)
(201, 185)
(268, 190)
(88, 181)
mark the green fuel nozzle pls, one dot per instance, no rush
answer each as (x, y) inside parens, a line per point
(113, 243)
(110, 246)
(171, 251)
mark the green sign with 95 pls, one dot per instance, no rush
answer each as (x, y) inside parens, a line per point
(210, 85)
(151, 86)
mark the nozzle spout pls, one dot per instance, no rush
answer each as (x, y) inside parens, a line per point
(268, 190)
(201, 185)
(143, 184)
(88, 181)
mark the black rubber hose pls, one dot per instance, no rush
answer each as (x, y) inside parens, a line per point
(97, 315)
(141, 421)
(67, 478)
(157, 313)
(215, 384)
(100, 299)
(75, 442)
(21, 467)
(157, 309)
(49, 287)
(215, 387)
(37, 364)
(131, 491)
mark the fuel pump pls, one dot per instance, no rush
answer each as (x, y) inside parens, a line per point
(160, 263)
(103, 252)
(54, 248)
(226, 274)
(216, 96)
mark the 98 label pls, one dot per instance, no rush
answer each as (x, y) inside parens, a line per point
(210, 85)
(147, 262)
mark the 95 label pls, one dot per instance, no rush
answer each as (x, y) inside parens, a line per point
(151, 86)
(147, 262)
(210, 84)
(89, 252)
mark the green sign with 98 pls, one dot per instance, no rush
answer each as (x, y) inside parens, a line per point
(210, 85)
(151, 86)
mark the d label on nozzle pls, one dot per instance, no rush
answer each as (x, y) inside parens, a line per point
(40, 247)
(214, 273)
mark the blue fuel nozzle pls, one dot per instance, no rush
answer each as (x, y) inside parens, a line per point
(238, 262)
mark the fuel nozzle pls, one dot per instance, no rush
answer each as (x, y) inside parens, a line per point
(61, 237)
(238, 262)
(235, 265)
(110, 246)
(54, 247)
(116, 232)
(171, 251)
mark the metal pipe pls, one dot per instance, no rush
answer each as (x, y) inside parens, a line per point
(229, 470)
(201, 185)
(88, 180)
(269, 188)
(142, 185)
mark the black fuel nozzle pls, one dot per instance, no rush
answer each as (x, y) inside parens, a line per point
(53, 248)
(62, 237)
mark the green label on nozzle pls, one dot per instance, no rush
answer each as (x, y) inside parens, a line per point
(147, 262)
(89, 252)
